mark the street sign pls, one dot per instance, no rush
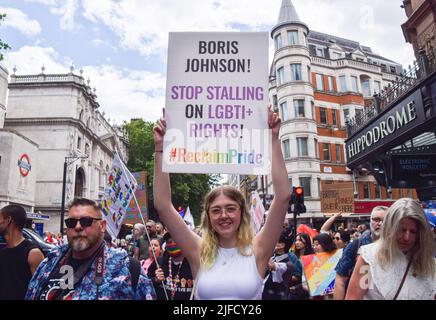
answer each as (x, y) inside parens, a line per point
(38, 216)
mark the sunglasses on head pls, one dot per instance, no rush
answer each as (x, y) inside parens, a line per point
(84, 222)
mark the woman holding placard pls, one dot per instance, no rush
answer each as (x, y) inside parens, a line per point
(228, 261)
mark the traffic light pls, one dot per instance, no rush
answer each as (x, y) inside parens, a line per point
(291, 201)
(298, 198)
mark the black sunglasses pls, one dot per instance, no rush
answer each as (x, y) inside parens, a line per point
(84, 222)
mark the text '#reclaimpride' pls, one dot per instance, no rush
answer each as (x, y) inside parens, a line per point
(183, 155)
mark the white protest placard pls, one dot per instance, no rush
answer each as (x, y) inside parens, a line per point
(118, 194)
(216, 103)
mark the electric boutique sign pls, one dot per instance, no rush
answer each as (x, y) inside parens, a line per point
(399, 120)
(416, 168)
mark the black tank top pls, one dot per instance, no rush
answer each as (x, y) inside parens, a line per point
(15, 271)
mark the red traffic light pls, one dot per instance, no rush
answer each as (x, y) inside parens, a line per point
(299, 191)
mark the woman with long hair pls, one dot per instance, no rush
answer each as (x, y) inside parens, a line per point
(303, 245)
(228, 261)
(157, 248)
(400, 265)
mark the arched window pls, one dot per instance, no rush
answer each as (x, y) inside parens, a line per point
(80, 183)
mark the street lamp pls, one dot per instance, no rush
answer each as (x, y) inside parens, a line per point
(66, 164)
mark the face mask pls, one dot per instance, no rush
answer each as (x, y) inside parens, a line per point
(173, 250)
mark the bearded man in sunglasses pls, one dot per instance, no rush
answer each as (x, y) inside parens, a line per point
(87, 268)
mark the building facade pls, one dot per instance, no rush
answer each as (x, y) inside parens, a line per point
(317, 82)
(420, 27)
(59, 114)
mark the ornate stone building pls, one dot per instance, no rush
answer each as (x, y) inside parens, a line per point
(420, 27)
(59, 113)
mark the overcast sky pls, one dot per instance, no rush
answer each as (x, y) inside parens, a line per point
(122, 45)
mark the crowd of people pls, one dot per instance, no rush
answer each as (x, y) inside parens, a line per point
(223, 258)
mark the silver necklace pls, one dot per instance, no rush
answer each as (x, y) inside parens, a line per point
(227, 256)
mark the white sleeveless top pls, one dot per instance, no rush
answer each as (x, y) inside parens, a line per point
(231, 277)
(384, 284)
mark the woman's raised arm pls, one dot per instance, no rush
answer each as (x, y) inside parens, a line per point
(186, 239)
(265, 241)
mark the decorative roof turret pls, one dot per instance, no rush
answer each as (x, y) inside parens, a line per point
(288, 15)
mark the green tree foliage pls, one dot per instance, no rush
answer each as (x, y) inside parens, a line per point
(3, 45)
(187, 189)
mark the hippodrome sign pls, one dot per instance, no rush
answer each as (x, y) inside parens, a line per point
(216, 103)
(24, 165)
(392, 124)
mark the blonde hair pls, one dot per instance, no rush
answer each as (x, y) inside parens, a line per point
(423, 251)
(210, 241)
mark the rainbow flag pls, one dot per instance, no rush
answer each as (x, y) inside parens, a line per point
(320, 273)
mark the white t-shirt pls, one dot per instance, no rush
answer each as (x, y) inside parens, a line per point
(233, 276)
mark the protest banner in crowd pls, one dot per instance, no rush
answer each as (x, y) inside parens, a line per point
(216, 103)
(257, 211)
(320, 273)
(118, 194)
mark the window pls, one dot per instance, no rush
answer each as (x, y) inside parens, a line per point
(377, 191)
(336, 55)
(281, 73)
(79, 142)
(326, 151)
(312, 105)
(366, 193)
(377, 86)
(392, 69)
(366, 88)
(278, 41)
(286, 149)
(330, 80)
(346, 114)
(410, 193)
(316, 148)
(296, 71)
(284, 111)
(338, 153)
(323, 115)
(293, 37)
(319, 52)
(319, 82)
(302, 147)
(342, 84)
(309, 74)
(275, 101)
(87, 149)
(335, 118)
(299, 108)
(354, 85)
(290, 184)
(305, 183)
(383, 67)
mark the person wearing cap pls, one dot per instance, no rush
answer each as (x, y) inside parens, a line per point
(174, 273)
